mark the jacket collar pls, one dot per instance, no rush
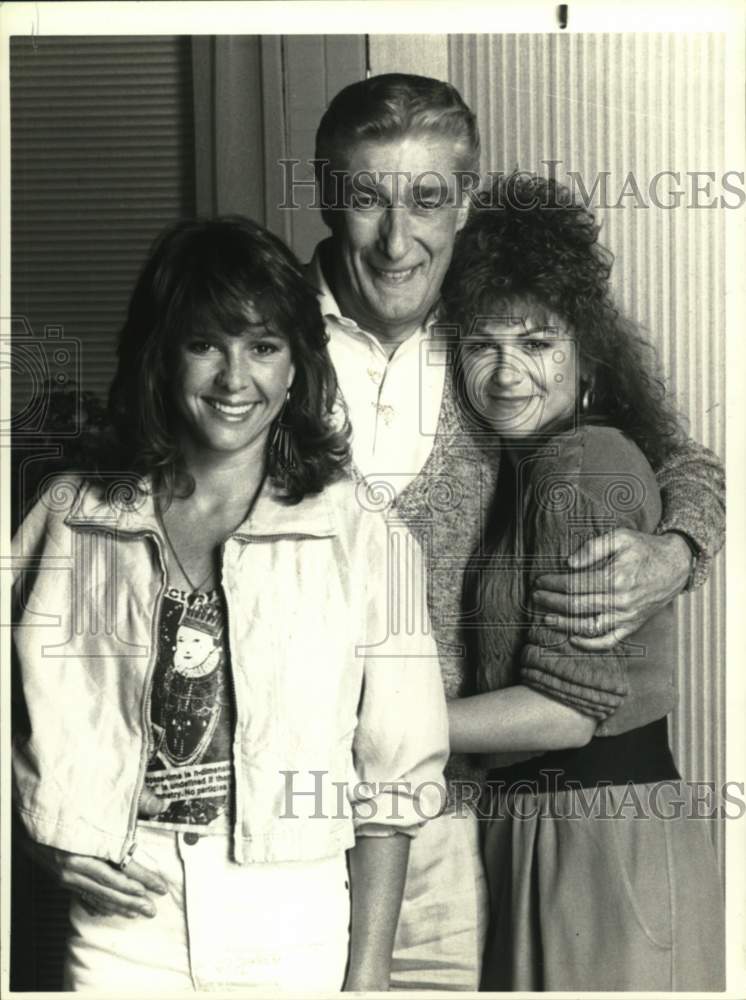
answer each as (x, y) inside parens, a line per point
(314, 516)
(104, 509)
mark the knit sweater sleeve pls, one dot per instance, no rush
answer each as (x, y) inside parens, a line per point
(595, 484)
(692, 486)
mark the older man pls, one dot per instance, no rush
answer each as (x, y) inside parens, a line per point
(392, 153)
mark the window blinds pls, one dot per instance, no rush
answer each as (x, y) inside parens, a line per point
(101, 160)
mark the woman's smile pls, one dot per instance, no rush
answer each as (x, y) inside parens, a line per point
(231, 411)
(512, 399)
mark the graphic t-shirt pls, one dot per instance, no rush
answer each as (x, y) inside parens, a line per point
(191, 712)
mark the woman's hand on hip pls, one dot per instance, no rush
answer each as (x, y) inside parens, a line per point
(100, 886)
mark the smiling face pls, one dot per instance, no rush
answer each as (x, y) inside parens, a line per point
(393, 241)
(519, 376)
(229, 388)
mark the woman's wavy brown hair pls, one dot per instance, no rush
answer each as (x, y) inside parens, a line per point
(202, 274)
(528, 242)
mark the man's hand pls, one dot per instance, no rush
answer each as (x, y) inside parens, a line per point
(101, 888)
(640, 573)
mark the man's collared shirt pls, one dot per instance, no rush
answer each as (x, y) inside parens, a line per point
(393, 402)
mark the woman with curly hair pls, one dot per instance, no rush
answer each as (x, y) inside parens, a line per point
(213, 717)
(601, 876)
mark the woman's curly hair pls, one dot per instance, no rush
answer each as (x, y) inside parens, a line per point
(528, 243)
(201, 275)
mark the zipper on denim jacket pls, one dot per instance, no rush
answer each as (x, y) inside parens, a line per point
(237, 824)
(130, 843)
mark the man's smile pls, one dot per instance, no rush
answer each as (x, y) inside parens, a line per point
(394, 276)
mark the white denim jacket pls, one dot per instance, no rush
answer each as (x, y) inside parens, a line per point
(336, 679)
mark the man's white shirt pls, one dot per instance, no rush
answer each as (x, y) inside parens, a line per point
(393, 402)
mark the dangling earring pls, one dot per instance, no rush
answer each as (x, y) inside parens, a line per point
(281, 444)
(588, 399)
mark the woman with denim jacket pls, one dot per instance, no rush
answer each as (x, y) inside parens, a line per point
(601, 874)
(220, 758)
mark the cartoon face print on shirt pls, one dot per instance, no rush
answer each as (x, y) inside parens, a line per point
(193, 687)
(192, 715)
(196, 652)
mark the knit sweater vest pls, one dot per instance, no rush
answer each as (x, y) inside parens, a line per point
(445, 508)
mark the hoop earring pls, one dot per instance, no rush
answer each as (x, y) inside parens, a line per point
(281, 444)
(587, 400)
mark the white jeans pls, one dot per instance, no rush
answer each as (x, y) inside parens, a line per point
(222, 926)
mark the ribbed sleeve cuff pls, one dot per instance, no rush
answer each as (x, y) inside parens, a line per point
(704, 544)
(561, 678)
